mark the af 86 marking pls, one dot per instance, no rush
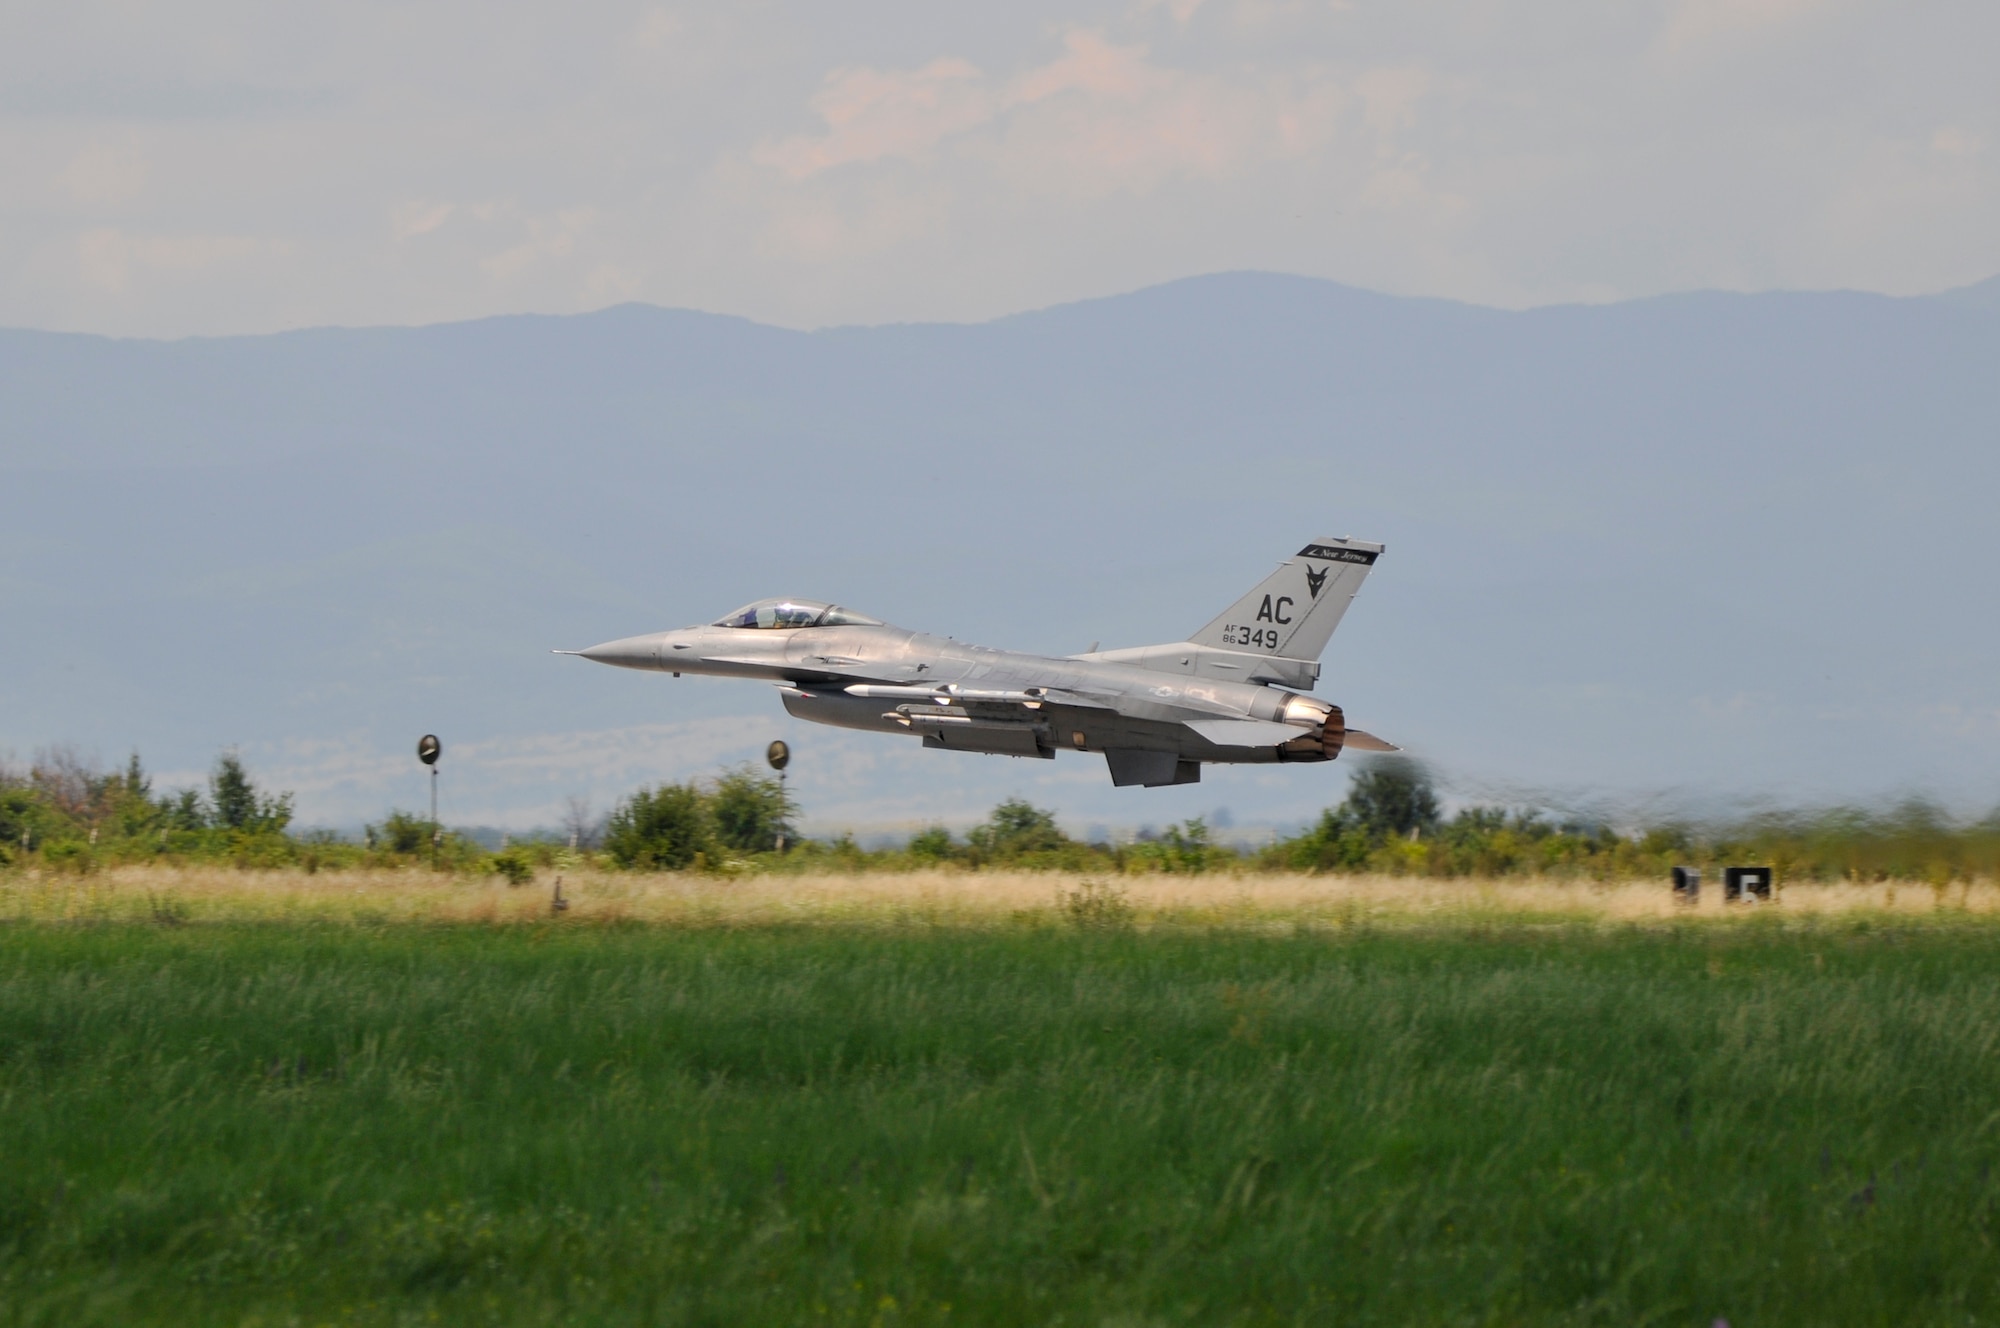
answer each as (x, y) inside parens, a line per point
(1257, 638)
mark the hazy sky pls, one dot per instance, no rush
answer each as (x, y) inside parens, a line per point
(219, 165)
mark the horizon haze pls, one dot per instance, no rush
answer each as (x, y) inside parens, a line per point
(1674, 551)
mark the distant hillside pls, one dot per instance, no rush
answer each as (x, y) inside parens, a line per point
(1704, 542)
(1981, 295)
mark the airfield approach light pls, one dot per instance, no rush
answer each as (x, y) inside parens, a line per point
(778, 755)
(429, 749)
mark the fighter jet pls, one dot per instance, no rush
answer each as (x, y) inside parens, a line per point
(1157, 713)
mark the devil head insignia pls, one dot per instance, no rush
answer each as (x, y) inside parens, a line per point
(1314, 580)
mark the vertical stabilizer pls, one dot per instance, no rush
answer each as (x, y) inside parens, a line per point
(1292, 612)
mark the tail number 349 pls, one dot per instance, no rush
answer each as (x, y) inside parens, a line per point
(1261, 638)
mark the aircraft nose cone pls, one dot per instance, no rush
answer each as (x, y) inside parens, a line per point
(631, 652)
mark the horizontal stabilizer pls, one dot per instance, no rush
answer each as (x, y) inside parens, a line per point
(1246, 732)
(1358, 741)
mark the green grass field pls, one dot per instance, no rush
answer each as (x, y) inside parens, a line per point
(1780, 1121)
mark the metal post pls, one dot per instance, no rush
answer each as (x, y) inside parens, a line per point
(778, 756)
(428, 751)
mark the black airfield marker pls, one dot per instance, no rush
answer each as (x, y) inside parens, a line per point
(778, 756)
(1747, 884)
(1687, 885)
(428, 751)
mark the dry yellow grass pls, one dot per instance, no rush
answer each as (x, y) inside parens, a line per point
(196, 894)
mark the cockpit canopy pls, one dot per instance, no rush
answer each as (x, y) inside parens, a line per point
(795, 613)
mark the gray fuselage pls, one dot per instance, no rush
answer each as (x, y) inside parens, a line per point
(1157, 713)
(974, 698)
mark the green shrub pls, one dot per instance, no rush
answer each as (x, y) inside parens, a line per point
(237, 803)
(1016, 830)
(749, 811)
(1393, 798)
(1389, 801)
(933, 844)
(1095, 906)
(404, 834)
(70, 855)
(1185, 847)
(660, 829)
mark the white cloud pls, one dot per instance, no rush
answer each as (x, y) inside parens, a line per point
(414, 219)
(871, 114)
(807, 167)
(1095, 67)
(1182, 10)
(549, 239)
(113, 261)
(1698, 25)
(1952, 141)
(1098, 117)
(1391, 96)
(104, 175)
(657, 28)
(823, 230)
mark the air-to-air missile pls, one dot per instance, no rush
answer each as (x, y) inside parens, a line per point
(1228, 694)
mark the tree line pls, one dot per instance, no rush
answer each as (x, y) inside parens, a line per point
(62, 813)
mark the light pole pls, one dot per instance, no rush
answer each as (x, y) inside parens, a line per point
(778, 756)
(428, 751)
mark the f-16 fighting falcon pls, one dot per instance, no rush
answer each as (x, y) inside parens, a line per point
(1157, 713)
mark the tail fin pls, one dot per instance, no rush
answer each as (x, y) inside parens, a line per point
(1293, 611)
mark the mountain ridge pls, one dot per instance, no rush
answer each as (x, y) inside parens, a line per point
(1981, 294)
